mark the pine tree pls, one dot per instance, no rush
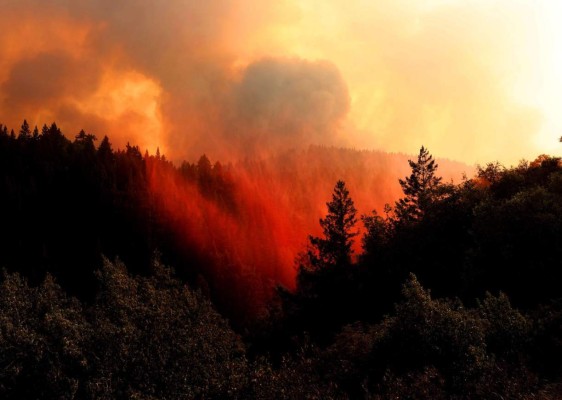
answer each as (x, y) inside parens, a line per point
(85, 142)
(25, 131)
(104, 151)
(325, 294)
(419, 188)
(335, 248)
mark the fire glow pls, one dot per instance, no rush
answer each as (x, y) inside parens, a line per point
(250, 235)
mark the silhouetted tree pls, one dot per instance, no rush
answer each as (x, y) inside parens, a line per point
(53, 138)
(419, 188)
(25, 131)
(491, 173)
(104, 151)
(335, 248)
(324, 299)
(85, 142)
(133, 152)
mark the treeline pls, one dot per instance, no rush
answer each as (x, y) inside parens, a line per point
(64, 204)
(454, 295)
(499, 231)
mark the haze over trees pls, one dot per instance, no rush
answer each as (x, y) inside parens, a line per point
(450, 292)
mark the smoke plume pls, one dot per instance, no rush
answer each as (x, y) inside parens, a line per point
(222, 76)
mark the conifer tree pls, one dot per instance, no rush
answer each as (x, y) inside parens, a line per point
(335, 247)
(105, 151)
(25, 131)
(419, 188)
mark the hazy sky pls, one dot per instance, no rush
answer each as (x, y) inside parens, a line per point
(474, 81)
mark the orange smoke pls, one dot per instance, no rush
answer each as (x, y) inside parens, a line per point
(475, 81)
(244, 238)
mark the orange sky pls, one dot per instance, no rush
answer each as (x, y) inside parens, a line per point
(474, 80)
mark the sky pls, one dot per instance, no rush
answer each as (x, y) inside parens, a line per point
(473, 80)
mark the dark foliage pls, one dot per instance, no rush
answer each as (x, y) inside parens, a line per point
(65, 204)
(500, 233)
(142, 337)
(437, 349)
(497, 232)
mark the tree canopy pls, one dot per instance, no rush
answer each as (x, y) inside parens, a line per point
(335, 248)
(420, 188)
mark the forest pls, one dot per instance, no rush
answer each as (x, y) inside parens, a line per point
(125, 275)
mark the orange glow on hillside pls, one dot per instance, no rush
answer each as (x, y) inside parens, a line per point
(250, 235)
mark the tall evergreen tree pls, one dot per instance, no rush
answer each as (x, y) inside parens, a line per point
(323, 301)
(25, 131)
(335, 247)
(420, 188)
(105, 152)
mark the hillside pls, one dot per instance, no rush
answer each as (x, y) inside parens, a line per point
(293, 286)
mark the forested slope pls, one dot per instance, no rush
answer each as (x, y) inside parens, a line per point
(450, 291)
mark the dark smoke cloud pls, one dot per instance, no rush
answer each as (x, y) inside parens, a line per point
(276, 104)
(286, 103)
(290, 100)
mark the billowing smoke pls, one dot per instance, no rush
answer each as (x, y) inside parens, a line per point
(163, 75)
(284, 103)
(216, 76)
